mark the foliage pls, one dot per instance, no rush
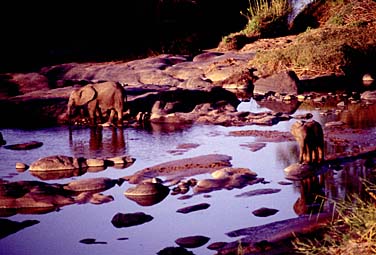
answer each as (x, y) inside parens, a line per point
(354, 231)
(265, 15)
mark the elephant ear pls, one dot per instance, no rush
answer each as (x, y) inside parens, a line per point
(86, 94)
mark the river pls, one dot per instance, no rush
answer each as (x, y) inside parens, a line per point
(60, 232)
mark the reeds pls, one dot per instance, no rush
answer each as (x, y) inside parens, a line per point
(352, 232)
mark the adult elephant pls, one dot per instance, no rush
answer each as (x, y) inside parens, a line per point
(310, 137)
(100, 99)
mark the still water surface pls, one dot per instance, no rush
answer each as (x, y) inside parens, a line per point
(60, 232)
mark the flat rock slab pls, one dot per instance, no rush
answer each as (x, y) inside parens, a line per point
(182, 167)
(258, 192)
(192, 241)
(91, 184)
(24, 146)
(193, 208)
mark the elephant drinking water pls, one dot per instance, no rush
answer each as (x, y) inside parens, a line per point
(100, 99)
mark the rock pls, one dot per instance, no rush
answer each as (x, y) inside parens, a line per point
(367, 79)
(334, 124)
(258, 192)
(21, 166)
(33, 196)
(24, 146)
(193, 208)
(299, 171)
(99, 198)
(285, 82)
(216, 245)
(95, 162)
(121, 160)
(91, 241)
(58, 162)
(91, 184)
(209, 185)
(369, 95)
(182, 167)
(174, 251)
(192, 241)
(148, 193)
(121, 220)
(227, 178)
(255, 146)
(264, 212)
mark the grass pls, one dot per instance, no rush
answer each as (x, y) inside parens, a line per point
(266, 18)
(352, 232)
(266, 15)
(343, 45)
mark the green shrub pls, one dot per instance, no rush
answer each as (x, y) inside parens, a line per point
(264, 16)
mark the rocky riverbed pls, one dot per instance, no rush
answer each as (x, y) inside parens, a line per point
(209, 89)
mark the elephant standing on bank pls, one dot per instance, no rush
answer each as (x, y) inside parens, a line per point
(310, 137)
(100, 99)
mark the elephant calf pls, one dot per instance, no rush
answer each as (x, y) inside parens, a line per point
(310, 137)
(100, 99)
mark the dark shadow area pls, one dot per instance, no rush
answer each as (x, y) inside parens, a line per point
(35, 34)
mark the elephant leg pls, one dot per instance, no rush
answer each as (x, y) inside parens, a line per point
(307, 154)
(320, 154)
(111, 117)
(301, 153)
(92, 118)
(120, 117)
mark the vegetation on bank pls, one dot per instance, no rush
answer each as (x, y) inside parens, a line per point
(267, 18)
(333, 36)
(353, 231)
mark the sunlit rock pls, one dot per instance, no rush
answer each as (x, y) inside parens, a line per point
(148, 193)
(299, 171)
(91, 184)
(58, 162)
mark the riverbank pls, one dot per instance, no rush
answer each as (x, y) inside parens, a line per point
(40, 97)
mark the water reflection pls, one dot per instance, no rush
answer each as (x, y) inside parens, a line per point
(100, 145)
(311, 195)
(56, 175)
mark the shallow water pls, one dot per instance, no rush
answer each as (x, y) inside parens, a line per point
(60, 232)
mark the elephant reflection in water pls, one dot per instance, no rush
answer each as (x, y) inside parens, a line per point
(99, 145)
(310, 137)
(311, 195)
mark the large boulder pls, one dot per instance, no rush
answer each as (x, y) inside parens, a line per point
(58, 162)
(285, 82)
